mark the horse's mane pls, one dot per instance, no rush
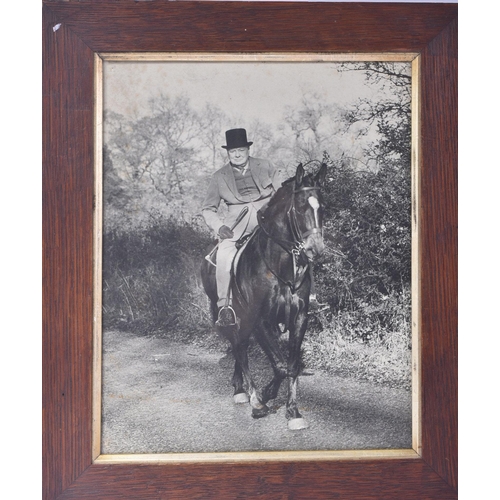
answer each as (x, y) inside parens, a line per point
(280, 197)
(284, 192)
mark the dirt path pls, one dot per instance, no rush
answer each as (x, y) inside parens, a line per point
(161, 397)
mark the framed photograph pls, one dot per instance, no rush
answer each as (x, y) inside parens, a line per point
(155, 329)
(349, 109)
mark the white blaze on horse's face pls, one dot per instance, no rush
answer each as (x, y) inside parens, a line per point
(315, 205)
(314, 244)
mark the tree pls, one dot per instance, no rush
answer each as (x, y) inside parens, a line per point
(391, 115)
(156, 158)
(213, 124)
(165, 144)
(368, 203)
(312, 127)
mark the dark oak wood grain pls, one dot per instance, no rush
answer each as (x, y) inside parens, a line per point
(398, 480)
(439, 308)
(90, 27)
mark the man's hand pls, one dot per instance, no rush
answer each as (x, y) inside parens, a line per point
(225, 233)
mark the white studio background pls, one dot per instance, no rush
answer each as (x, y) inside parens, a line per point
(21, 307)
(21, 249)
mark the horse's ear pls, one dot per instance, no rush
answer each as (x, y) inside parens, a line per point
(320, 176)
(299, 175)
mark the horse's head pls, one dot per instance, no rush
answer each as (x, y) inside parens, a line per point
(306, 211)
(294, 216)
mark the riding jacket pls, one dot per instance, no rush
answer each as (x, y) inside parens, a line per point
(222, 188)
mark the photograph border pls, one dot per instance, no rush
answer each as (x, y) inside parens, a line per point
(414, 60)
(74, 35)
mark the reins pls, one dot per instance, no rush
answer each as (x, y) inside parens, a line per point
(295, 248)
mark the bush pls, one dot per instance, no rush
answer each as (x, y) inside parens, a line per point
(373, 344)
(368, 235)
(151, 277)
(364, 275)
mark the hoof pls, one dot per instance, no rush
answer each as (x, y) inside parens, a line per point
(240, 398)
(297, 424)
(260, 412)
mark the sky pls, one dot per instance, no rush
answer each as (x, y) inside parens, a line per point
(255, 90)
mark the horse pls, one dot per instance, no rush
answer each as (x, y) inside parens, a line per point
(270, 288)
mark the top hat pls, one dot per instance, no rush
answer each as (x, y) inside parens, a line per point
(236, 138)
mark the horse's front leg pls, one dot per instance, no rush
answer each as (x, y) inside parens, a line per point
(295, 419)
(239, 396)
(268, 338)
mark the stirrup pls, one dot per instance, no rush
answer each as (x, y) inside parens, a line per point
(227, 316)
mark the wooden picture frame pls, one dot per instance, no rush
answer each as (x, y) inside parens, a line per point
(74, 34)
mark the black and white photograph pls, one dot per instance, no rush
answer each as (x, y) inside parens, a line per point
(257, 234)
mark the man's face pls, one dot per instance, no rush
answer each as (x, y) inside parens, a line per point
(238, 156)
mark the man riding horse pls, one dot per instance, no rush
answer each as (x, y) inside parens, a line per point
(270, 283)
(245, 184)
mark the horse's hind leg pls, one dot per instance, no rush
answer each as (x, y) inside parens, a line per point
(237, 348)
(271, 390)
(240, 350)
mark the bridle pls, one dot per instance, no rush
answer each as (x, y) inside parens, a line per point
(298, 236)
(296, 246)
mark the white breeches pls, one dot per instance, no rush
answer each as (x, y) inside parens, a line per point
(225, 256)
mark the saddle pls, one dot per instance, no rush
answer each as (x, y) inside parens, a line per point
(243, 240)
(240, 245)
(212, 256)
